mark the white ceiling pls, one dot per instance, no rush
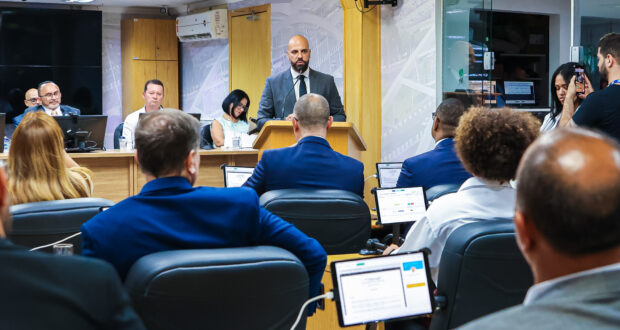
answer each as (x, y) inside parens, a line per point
(127, 3)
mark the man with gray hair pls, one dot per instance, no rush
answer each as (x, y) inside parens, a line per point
(170, 214)
(311, 163)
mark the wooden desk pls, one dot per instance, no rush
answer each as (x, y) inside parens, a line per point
(328, 318)
(117, 176)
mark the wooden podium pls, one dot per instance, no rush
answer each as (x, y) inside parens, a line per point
(343, 137)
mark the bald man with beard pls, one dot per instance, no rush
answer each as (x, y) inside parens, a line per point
(285, 88)
(567, 224)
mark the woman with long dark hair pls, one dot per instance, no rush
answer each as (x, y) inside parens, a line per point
(558, 88)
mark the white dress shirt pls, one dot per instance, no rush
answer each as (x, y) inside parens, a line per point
(476, 200)
(129, 126)
(49, 111)
(306, 81)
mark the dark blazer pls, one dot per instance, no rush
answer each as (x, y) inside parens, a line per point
(278, 97)
(43, 291)
(170, 214)
(65, 109)
(432, 168)
(312, 163)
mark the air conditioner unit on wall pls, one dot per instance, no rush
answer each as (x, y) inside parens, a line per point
(211, 24)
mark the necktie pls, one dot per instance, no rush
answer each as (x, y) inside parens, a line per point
(302, 85)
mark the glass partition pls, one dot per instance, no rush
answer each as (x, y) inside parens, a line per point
(466, 41)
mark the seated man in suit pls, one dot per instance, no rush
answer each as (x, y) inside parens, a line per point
(490, 143)
(51, 98)
(31, 98)
(43, 291)
(170, 214)
(311, 163)
(440, 165)
(566, 221)
(278, 96)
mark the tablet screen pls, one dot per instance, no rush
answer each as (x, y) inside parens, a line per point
(236, 176)
(382, 288)
(399, 205)
(388, 174)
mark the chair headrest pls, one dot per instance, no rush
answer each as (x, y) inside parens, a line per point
(59, 205)
(174, 263)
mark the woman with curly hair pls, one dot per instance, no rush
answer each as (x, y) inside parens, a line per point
(39, 167)
(489, 143)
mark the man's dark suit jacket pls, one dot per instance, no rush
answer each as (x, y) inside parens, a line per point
(312, 163)
(65, 109)
(432, 168)
(278, 97)
(43, 291)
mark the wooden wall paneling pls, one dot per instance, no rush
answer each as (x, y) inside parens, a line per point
(249, 52)
(168, 73)
(143, 38)
(362, 81)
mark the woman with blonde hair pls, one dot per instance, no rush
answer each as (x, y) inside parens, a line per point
(39, 167)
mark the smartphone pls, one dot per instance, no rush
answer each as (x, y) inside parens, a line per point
(580, 81)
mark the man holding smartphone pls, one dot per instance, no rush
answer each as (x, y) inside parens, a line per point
(600, 110)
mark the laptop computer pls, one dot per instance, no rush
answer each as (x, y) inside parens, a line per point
(235, 176)
(195, 115)
(387, 174)
(382, 288)
(399, 205)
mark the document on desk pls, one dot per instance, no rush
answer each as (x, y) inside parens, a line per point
(247, 141)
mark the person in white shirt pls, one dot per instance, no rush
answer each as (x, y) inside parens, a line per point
(489, 143)
(567, 227)
(153, 96)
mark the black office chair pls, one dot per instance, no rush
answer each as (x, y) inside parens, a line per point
(118, 132)
(437, 191)
(260, 287)
(41, 223)
(481, 271)
(206, 141)
(338, 219)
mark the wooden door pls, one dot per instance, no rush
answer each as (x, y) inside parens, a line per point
(249, 35)
(166, 43)
(168, 73)
(143, 39)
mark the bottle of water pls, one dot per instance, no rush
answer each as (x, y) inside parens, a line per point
(7, 144)
(123, 143)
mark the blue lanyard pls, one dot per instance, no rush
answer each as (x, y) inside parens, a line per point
(617, 81)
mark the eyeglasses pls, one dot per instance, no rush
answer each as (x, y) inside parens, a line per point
(434, 115)
(244, 107)
(33, 100)
(48, 95)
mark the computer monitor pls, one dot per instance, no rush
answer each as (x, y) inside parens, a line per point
(387, 174)
(83, 133)
(235, 176)
(398, 205)
(519, 92)
(383, 288)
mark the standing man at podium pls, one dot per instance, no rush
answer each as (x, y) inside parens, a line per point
(285, 88)
(312, 163)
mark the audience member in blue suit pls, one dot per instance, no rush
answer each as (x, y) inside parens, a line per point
(51, 98)
(312, 163)
(170, 214)
(440, 165)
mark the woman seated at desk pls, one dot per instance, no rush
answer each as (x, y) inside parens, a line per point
(234, 121)
(39, 167)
